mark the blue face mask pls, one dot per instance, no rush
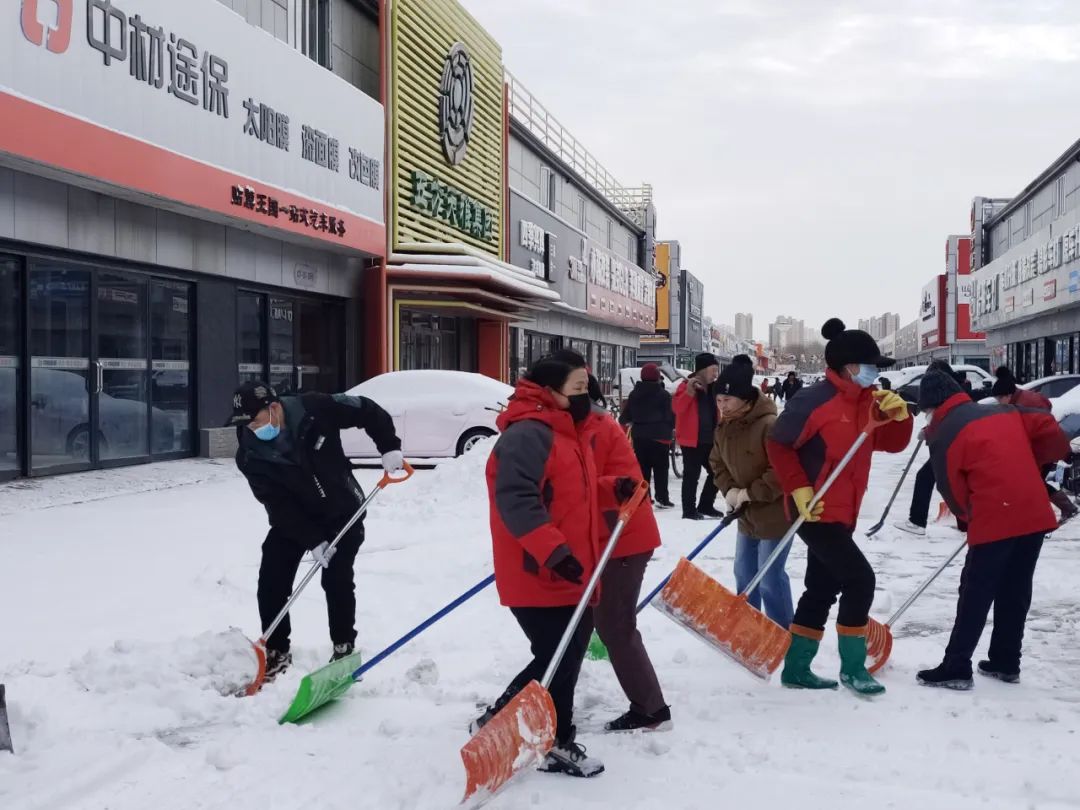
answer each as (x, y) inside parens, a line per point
(867, 375)
(267, 432)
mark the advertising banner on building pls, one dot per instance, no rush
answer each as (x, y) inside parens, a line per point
(932, 315)
(692, 308)
(960, 291)
(662, 331)
(446, 128)
(549, 248)
(187, 102)
(620, 292)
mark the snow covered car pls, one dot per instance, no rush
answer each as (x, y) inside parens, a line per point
(437, 414)
(1059, 387)
(906, 381)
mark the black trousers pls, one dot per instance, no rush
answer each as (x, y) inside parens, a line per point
(1001, 574)
(920, 499)
(653, 458)
(280, 560)
(696, 459)
(544, 626)
(834, 566)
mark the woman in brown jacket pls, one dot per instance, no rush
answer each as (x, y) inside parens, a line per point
(742, 473)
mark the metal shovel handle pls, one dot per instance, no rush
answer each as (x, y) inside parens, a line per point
(384, 482)
(874, 423)
(919, 591)
(625, 514)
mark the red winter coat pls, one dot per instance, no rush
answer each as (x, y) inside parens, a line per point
(1030, 399)
(615, 459)
(987, 459)
(686, 407)
(542, 488)
(816, 430)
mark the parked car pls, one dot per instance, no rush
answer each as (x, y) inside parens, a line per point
(906, 381)
(60, 418)
(1049, 387)
(437, 414)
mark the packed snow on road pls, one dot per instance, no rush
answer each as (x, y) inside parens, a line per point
(117, 588)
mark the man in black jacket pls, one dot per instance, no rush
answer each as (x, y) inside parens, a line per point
(290, 452)
(792, 385)
(648, 412)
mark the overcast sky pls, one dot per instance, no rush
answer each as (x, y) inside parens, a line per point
(810, 155)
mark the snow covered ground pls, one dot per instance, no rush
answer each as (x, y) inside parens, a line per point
(112, 585)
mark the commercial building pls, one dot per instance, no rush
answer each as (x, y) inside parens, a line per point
(186, 201)
(679, 311)
(446, 295)
(590, 239)
(1026, 272)
(744, 326)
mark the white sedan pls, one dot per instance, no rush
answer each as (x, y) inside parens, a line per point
(437, 414)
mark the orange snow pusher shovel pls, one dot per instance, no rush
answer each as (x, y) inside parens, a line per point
(879, 636)
(260, 646)
(727, 621)
(523, 731)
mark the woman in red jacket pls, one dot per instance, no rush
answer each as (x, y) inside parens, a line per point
(616, 613)
(987, 463)
(809, 438)
(542, 487)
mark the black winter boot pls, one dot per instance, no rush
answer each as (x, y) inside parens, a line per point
(990, 671)
(570, 758)
(945, 676)
(636, 721)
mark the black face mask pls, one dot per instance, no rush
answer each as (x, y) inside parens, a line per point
(580, 406)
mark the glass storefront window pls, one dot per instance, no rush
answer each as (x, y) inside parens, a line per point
(123, 394)
(605, 370)
(11, 304)
(321, 346)
(170, 364)
(282, 352)
(60, 377)
(251, 347)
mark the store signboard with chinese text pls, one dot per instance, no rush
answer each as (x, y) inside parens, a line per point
(185, 101)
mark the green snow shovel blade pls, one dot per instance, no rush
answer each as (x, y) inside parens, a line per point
(322, 686)
(597, 651)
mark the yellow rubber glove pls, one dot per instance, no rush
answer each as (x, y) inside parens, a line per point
(892, 405)
(802, 497)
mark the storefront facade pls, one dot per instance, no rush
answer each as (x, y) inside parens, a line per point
(565, 233)
(1027, 274)
(174, 219)
(679, 333)
(446, 295)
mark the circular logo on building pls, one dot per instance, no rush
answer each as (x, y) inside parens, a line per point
(456, 104)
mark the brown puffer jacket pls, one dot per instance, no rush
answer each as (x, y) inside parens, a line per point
(739, 461)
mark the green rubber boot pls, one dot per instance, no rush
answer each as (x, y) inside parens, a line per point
(797, 674)
(853, 674)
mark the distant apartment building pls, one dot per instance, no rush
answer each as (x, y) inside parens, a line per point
(744, 326)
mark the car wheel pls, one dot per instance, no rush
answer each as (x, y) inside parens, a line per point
(78, 443)
(472, 437)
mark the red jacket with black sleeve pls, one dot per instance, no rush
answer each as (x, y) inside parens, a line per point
(986, 460)
(689, 418)
(815, 431)
(542, 490)
(615, 459)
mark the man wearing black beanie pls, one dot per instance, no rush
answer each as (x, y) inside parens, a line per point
(695, 420)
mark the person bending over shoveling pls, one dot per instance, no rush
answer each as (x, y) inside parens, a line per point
(290, 452)
(987, 464)
(808, 441)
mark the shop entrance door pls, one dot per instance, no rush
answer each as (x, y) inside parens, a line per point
(11, 307)
(93, 401)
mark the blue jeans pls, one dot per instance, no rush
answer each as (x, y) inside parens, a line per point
(775, 588)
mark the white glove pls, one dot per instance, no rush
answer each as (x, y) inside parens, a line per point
(322, 554)
(393, 461)
(736, 497)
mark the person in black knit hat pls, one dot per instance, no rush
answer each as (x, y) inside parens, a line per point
(695, 420)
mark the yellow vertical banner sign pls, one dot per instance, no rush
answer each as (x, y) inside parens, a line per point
(663, 294)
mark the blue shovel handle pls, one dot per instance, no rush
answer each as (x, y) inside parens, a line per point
(424, 625)
(727, 521)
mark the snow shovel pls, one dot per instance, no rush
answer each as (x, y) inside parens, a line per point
(338, 679)
(879, 637)
(597, 651)
(523, 731)
(877, 526)
(326, 675)
(727, 621)
(5, 729)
